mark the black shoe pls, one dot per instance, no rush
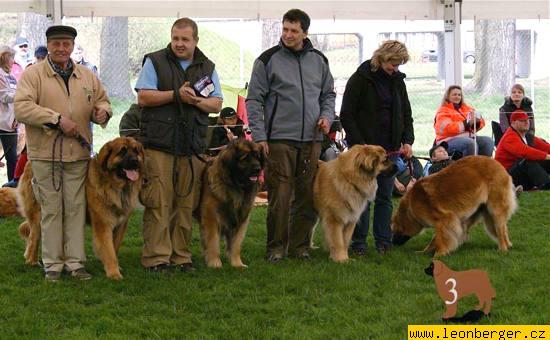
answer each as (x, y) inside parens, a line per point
(159, 268)
(303, 256)
(275, 258)
(383, 249)
(359, 252)
(186, 267)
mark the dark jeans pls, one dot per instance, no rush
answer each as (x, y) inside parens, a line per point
(382, 217)
(9, 143)
(531, 174)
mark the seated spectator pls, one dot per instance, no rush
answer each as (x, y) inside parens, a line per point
(439, 158)
(229, 127)
(404, 180)
(527, 162)
(515, 101)
(457, 124)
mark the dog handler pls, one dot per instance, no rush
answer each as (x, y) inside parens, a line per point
(376, 110)
(56, 100)
(177, 88)
(291, 94)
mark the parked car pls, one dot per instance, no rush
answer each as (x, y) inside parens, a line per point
(430, 56)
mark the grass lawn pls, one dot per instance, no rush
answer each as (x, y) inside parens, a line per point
(372, 297)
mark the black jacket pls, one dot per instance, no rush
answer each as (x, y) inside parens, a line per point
(176, 128)
(361, 103)
(508, 107)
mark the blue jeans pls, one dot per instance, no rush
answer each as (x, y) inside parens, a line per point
(466, 145)
(382, 216)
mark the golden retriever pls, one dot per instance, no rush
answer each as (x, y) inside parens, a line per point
(453, 200)
(229, 187)
(113, 182)
(342, 189)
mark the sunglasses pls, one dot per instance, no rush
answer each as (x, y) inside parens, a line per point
(24, 46)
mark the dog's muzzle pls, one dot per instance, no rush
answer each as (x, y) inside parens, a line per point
(399, 239)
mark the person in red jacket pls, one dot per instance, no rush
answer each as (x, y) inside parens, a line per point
(527, 163)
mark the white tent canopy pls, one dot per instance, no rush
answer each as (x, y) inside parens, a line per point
(318, 9)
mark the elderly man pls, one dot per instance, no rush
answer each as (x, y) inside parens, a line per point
(177, 88)
(56, 100)
(527, 162)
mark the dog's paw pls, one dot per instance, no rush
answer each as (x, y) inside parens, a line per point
(214, 263)
(239, 265)
(115, 276)
(340, 259)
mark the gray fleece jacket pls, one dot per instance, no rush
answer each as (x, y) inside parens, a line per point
(288, 93)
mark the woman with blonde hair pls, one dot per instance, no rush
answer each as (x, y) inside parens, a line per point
(376, 110)
(8, 124)
(458, 123)
(515, 101)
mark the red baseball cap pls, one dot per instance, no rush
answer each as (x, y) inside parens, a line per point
(518, 115)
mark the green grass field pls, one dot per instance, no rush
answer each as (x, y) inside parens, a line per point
(374, 297)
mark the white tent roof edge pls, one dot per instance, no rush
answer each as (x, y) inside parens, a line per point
(317, 9)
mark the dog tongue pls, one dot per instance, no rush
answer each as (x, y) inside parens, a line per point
(132, 175)
(253, 178)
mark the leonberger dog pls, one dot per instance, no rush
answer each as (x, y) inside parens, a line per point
(454, 285)
(8, 202)
(341, 190)
(113, 182)
(453, 200)
(229, 187)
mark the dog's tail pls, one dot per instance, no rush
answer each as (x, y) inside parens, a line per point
(24, 230)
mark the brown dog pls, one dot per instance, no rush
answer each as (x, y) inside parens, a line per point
(112, 185)
(453, 200)
(229, 186)
(342, 189)
(8, 202)
(452, 286)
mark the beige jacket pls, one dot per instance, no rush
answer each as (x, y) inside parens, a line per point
(42, 96)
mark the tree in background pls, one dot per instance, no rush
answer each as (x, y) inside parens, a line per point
(115, 72)
(33, 27)
(495, 47)
(271, 33)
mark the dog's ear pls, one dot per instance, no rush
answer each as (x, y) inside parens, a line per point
(104, 154)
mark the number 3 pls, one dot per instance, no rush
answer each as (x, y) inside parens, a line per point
(452, 291)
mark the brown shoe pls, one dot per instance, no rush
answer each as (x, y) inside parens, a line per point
(52, 276)
(81, 274)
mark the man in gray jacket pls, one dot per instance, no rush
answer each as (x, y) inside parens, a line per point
(290, 98)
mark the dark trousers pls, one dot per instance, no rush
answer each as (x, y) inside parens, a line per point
(291, 216)
(382, 217)
(531, 174)
(9, 144)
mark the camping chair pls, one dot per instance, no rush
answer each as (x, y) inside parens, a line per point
(497, 132)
